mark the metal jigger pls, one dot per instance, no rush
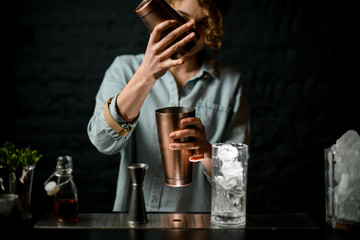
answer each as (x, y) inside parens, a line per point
(137, 211)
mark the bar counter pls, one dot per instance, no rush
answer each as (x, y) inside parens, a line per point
(173, 226)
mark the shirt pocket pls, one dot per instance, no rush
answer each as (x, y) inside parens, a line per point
(214, 118)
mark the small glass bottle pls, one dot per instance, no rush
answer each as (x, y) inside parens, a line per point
(65, 199)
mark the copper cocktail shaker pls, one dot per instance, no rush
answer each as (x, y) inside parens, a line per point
(153, 12)
(177, 167)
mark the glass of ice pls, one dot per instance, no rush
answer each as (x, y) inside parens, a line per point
(342, 188)
(229, 175)
(329, 175)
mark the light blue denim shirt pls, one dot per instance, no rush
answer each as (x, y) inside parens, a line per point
(216, 93)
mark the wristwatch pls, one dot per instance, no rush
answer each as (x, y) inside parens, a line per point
(112, 122)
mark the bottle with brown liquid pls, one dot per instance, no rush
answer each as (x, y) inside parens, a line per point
(65, 199)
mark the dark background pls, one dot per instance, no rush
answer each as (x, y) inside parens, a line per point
(299, 60)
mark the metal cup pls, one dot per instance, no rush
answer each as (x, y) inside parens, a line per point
(153, 12)
(177, 167)
(137, 210)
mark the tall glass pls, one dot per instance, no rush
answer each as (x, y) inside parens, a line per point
(342, 191)
(329, 176)
(229, 173)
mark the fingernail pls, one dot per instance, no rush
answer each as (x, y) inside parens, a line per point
(189, 24)
(196, 158)
(172, 135)
(172, 147)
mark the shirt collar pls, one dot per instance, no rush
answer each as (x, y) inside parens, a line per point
(208, 68)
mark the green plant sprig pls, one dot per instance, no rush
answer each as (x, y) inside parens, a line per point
(12, 157)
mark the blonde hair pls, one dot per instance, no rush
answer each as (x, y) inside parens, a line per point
(215, 30)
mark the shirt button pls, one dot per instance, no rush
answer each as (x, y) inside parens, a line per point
(206, 77)
(155, 199)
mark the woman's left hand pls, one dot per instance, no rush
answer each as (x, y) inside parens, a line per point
(200, 144)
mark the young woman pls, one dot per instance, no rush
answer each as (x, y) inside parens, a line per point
(137, 85)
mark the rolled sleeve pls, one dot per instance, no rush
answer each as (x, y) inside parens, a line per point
(117, 117)
(102, 136)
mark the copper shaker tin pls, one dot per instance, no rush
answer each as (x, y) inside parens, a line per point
(177, 167)
(153, 12)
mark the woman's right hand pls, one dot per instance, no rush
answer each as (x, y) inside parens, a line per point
(157, 59)
(154, 65)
